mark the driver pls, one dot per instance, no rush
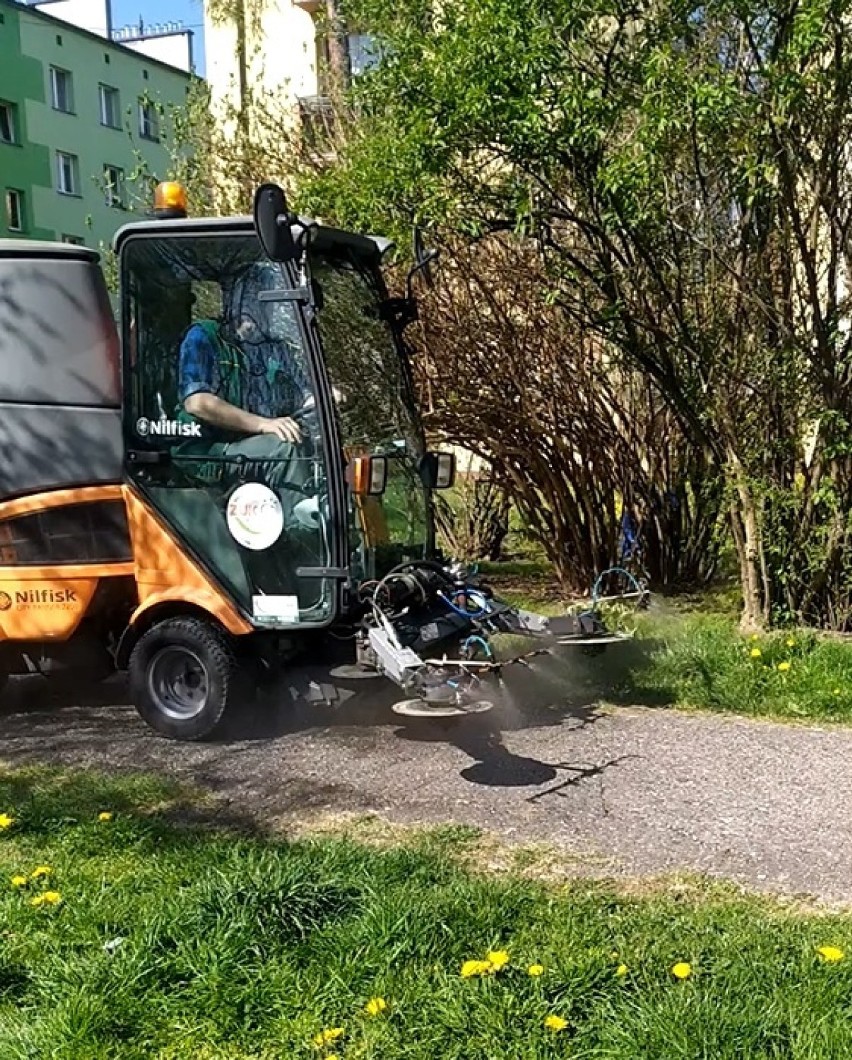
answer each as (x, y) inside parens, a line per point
(243, 390)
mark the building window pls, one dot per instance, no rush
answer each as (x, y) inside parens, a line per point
(114, 186)
(148, 123)
(363, 52)
(8, 125)
(106, 58)
(59, 40)
(110, 109)
(61, 90)
(75, 241)
(67, 174)
(15, 210)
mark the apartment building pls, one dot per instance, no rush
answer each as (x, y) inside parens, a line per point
(82, 109)
(284, 55)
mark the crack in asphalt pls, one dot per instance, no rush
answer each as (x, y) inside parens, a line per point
(617, 790)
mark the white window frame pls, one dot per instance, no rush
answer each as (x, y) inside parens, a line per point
(114, 190)
(73, 169)
(11, 112)
(17, 196)
(55, 71)
(149, 120)
(105, 93)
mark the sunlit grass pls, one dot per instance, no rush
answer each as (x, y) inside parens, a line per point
(689, 652)
(179, 942)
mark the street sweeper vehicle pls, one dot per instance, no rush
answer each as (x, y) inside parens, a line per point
(234, 476)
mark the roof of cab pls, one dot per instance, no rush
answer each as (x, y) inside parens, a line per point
(36, 248)
(369, 246)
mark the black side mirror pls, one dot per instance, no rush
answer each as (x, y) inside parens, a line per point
(272, 221)
(438, 470)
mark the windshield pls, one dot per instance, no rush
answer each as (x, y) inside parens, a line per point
(220, 419)
(377, 411)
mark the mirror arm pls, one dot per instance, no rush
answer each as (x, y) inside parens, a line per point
(417, 267)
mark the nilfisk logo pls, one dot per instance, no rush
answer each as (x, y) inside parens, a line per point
(45, 596)
(30, 599)
(146, 428)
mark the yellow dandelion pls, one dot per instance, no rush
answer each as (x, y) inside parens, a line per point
(332, 1056)
(783, 667)
(555, 1023)
(471, 968)
(106, 815)
(52, 897)
(37, 901)
(837, 691)
(6, 821)
(536, 970)
(790, 642)
(40, 872)
(329, 1035)
(376, 1006)
(497, 959)
(621, 970)
(19, 881)
(753, 636)
(755, 653)
(831, 954)
(682, 970)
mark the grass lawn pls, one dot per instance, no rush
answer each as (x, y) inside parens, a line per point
(167, 939)
(689, 653)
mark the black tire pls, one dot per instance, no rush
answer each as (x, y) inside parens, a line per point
(184, 677)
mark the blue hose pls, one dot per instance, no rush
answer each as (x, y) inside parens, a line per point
(470, 594)
(613, 570)
(486, 647)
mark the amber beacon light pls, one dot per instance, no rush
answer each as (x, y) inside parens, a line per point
(169, 200)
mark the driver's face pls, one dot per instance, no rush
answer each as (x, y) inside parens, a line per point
(247, 330)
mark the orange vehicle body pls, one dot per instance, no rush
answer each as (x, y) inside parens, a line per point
(48, 603)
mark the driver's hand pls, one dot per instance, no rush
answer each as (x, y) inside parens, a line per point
(284, 428)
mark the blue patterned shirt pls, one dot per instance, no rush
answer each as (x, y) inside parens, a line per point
(262, 378)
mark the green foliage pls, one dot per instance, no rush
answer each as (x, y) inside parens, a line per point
(705, 662)
(178, 941)
(679, 168)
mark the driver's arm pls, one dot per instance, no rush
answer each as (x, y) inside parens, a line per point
(198, 385)
(217, 412)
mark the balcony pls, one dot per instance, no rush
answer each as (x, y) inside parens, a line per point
(316, 115)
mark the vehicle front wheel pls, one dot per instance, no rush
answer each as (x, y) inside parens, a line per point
(184, 677)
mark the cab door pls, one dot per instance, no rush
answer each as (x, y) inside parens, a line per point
(255, 515)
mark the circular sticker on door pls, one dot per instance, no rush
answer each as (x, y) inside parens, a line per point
(255, 516)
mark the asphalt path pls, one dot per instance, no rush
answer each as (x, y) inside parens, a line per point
(620, 790)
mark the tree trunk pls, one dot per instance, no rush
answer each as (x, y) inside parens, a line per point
(745, 527)
(340, 68)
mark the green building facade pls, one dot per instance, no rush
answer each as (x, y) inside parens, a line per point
(80, 117)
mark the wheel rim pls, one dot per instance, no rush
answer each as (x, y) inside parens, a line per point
(178, 683)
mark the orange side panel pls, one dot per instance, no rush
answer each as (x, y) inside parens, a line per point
(48, 602)
(40, 502)
(65, 572)
(164, 572)
(43, 611)
(371, 516)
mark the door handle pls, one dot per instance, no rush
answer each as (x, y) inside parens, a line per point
(148, 457)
